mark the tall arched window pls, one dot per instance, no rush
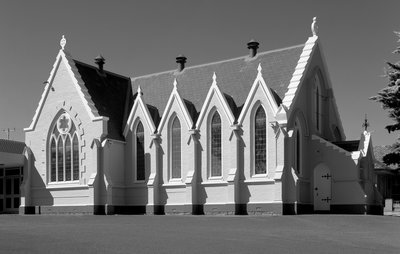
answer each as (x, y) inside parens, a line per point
(260, 142)
(297, 148)
(140, 159)
(215, 143)
(176, 149)
(317, 102)
(64, 154)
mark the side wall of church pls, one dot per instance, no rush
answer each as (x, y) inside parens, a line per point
(63, 97)
(137, 192)
(173, 191)
(261, 191)
(213, 190)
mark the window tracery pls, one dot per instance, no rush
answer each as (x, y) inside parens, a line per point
(64, 154)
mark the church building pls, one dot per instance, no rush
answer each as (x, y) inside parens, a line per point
(258, 134)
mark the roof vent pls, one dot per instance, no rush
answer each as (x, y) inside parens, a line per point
(253, 46)
(99, 60)
(181, 60)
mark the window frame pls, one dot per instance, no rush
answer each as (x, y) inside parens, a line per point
(210, 148)
(171, 142)
(297, 148)
(57, 137)
(139, 122)
(317, 101)
(256, 108)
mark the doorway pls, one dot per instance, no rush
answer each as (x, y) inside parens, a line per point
(10, 182)
(322, 188)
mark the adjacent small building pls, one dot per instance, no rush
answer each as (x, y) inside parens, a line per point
(257, 134)
(11, 174)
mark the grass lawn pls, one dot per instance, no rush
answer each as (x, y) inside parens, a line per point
(199, 234)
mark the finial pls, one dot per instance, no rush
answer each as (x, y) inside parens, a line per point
(139, 91)
(314, 27)
(366, 123)
(63, 42)
(175, 83)
(259, 69)
(214, 77)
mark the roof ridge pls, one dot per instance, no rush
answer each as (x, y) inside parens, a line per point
(109, 72)
(219, 62)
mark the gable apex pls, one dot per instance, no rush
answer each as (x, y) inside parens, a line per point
(64, 56)
(139, 102)
(175, 96)
(259, 82)
(214, 90)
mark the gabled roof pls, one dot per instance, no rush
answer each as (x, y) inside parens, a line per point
(10, 146)
(350, 145)
(109, 93)
(235, 78)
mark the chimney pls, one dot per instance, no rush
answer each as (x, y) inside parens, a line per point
(99, 60)
(181, 60)
(253, 46)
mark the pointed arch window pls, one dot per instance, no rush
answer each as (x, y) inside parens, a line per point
(297, 148)
(140, 156)
(176, 149)
(64, 151)
(317, 102)
(216, 159)
(260, 141)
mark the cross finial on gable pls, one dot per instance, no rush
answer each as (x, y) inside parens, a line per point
(139, 91)
(366, 123)
(175, 83)
(314, 27)
(259, 69)
(63, 41)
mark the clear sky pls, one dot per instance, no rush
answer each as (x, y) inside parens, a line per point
(143, 37)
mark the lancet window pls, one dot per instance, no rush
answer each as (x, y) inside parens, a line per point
(140, 156)
(260, 141)
(215, 145)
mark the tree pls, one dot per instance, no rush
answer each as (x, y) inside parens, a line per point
(390, 99)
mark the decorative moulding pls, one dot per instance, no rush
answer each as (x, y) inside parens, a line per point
(175, 97)
(65, 57)
(214, 89)
(139, 102)
(258, 82)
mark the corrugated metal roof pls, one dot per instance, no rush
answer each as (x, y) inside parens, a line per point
(11, 146)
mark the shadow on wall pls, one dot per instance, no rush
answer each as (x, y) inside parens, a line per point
(289, 199)
(40, 196)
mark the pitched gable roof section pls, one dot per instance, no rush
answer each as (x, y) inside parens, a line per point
(214, 89)
(108, 92)
(79, 84)
(299, 72)
(259, 81)
(182, 105)
(235, 78)
(139, 102)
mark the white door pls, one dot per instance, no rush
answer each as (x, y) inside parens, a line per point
(322, 188)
